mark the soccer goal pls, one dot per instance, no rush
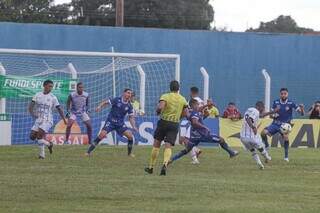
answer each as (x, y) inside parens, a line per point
(104, 74)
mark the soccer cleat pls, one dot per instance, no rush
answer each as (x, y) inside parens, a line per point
(148, 170)
(261, 166)
(87, 154)
(50, 147)
(163, 171)
(195, 161)
(132, 155)
(286, 159)
(235, 153)
(40, 157)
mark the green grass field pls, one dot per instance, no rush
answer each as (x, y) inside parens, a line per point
(112, 182)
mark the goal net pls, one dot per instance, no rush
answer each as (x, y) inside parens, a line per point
(104, 76)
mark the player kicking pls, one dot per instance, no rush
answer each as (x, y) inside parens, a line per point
(201, 133)
(170, 107)
(40, 108)
(248, 135)
(120, 107)
(284, 108)
(79, 103)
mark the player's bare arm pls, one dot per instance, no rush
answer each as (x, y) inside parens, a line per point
(301, 109)
(60, 111)
(251, 125)
(264, 114)
(102, 105)
(132, 121)
(160, 107)
(30, 109)
(196, 124)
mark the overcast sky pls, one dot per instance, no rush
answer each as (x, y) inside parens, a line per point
(238, 15)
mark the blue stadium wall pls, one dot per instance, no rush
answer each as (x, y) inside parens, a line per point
(234, 60)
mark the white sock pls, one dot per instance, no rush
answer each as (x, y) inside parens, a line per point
(41, 150)
(43, 141)
(194, 151)
(256, 158)
(265, 154)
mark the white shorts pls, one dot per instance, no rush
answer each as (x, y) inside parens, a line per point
(42, 124)
(84, 116)
(252, 143)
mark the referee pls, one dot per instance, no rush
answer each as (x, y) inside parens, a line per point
(170, 108)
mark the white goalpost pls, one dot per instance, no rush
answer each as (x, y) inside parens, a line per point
(205, 76)
(104, 74)
(267, 89)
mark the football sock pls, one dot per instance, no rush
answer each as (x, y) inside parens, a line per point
(93, 145)
(167, 156)
(68, 131)
(41, 150)
(194, 151)
(265, 141)
(286, 149)
(153, 157)
(179, 155)
(130, 145)
(256, 158)
(89, 133)
(225, 146)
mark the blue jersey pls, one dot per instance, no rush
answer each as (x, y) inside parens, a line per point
(197, 132)
(119, 110)
(286, 110)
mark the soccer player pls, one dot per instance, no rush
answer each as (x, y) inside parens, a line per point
(195, 152)
(285, 108)
(78, 102)
(248, 135)
(171, 107)
(201, 133)
(120, 107)
(40, 108)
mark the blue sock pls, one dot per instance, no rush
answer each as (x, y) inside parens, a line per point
(286, 149)
(180, 154)
(265, 141)
(130, 146)
(225, 146)
(93, 145)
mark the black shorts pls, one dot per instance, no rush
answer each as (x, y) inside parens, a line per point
(166, 131)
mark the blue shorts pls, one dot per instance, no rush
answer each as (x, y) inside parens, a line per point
(273, 128)
(109, 127)
(212, 138)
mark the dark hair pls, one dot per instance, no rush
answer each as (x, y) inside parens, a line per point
(79, 83)
(174, 86)
(259, 104)
(231, 103)
(194, 89)
(192, 102)
(284, 89)
(127, 89)
(46, 82)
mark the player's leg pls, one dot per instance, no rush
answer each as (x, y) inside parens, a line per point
(223, 144)
(69, 125)
(256, 158)
(269, 131)
(188, 147)
(159, 136)
(286, 146)
(250, 146)
(42, 142)
(259, 145)
(89, 130)
(194, 155)
(170, 139)
(128, 134)
(103, 133)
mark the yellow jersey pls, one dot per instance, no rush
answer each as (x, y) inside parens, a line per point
(175, 103)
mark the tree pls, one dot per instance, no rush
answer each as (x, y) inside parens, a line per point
(181, 14)
(282, 24)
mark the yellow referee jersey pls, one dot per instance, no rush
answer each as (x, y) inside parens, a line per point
(175, 103)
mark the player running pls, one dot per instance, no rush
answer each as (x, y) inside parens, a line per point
(40, 108)
(78, 107)
(171, 107)
(284, 108)
(120, 107)
(248, 135)
(201, 133)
